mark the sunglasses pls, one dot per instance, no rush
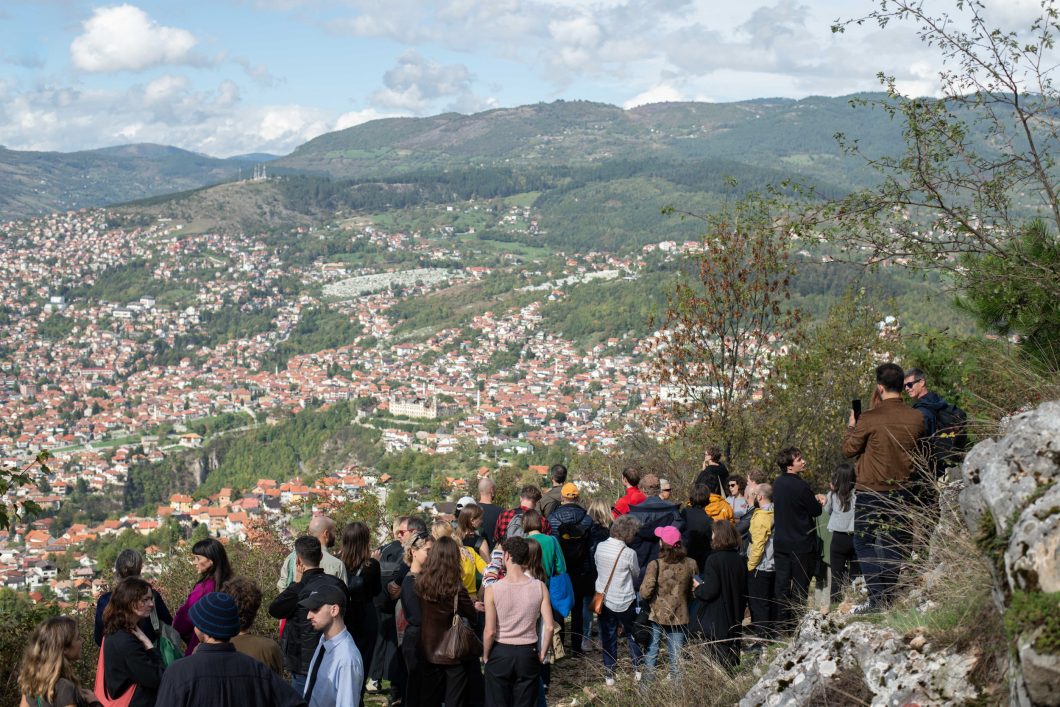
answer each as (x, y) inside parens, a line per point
(910, 384)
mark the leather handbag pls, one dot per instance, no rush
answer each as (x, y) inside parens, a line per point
(597, 604)
(459, 642)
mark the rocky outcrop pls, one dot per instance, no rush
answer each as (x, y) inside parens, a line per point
(1011, 494)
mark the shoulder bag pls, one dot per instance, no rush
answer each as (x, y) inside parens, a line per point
(101, 686)
(597, 604)
(169, 643)
(560, 588)
(459, 642)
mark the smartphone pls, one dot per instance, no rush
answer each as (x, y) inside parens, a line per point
(855, 405)
(698, 578)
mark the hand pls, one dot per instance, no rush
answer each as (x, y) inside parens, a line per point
(143, 638)
(480, 607)
(89, 696)
(377, 553)
(695, 582)
(820, 498)
(853, 420)
(393, 590)
(542, 655)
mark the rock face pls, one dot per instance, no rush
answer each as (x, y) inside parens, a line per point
(861, 663)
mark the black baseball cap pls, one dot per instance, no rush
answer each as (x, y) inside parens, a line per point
(325, 595)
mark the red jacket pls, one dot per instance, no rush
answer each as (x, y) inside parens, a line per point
(633, 497)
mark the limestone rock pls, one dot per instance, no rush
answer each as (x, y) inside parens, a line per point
(1041, 673)
(1032, 559)
(873, 660)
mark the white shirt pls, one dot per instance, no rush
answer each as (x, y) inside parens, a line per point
(340, 674)
(620, 593)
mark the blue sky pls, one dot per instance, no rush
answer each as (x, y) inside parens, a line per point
(225, 77)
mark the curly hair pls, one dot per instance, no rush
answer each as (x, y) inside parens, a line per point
(625, 528)
(441, 576)
(122, 613)
(247, 596)
(44, 660)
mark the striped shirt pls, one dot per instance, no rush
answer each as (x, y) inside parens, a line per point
(620, 593)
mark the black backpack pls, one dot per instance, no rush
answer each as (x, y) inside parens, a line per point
(950, 438)
(574, 539)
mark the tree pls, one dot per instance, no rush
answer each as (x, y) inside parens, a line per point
(12, 477)
(720, 332)
(978, 162)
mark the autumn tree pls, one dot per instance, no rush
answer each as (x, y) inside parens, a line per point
(721, 331)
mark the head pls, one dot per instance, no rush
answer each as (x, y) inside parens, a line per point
(417, 548)
(757, 476)
(631, 475)
(712, 455)
(128, 563)
(323, 529)
(665, 492)
(843, 479)
(307, 552)
(247, 596)
(440, 577)
(529, 495)
(131, 600)
(790, 460)
(211, 560)
(325, 609)
(470, 519)
(535, 566)
(737, 484)
(889, 379)
(649, 485)
(486, 490)
(700, 496)
(356, 545)
(532, 521)
(569, 493)
(600, 511)
(670, 549)
(49, 655)
(416, 524)
(625, 528)
(516, 551)
(400, 528)
(915, 383)
(724, 537)
(463, 503)
(441, 529)
(215, 618)
(558, 472)
(764, 494)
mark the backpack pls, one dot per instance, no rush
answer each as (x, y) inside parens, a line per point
(951, 437)
(574, 542)
(515, 526)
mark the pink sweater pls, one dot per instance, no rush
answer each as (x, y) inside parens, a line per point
(181, 620)
(518, 609)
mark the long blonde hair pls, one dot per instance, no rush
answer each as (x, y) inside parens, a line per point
(44, 660)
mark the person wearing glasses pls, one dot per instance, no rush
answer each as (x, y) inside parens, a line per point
(736, 498)
(927, 402)
(884, 440)
(129, 661)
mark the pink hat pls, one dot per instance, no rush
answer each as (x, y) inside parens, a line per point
(668, 534)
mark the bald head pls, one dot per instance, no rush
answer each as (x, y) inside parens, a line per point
(323, 529)
(486, 489)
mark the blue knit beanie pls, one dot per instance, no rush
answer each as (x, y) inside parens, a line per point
(216, 615)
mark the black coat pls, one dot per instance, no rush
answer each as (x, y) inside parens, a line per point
(794, 511)
(722, 595)
(126, 662)
(716, 478)
(698, 530)
(216, 675)
(652, 513)
(299, 640)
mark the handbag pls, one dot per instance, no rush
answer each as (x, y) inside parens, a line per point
(169, 643)
(101, 686)
(459, 642)
(597, 604)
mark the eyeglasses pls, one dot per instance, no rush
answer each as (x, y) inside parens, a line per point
(910, 384)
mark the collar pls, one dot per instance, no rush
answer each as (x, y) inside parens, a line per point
(332, 642)
(225, 647)
(311, 570)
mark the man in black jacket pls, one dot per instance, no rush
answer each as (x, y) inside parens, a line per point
(652, 513)
(572, 526)
(216, 674)
(794, 534)
(299, 640)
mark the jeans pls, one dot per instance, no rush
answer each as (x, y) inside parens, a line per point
(675, 641)
(298, 683)
(880, 540)
(580, 616)
(587, 620)
(609, 623)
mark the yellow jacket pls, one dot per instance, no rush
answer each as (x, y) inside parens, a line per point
(761, 531)
(471, 568)
(719, 509)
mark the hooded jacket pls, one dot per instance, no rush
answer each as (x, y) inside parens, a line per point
(760, 554)
(653, 513)
(929, 407)
(719, 509)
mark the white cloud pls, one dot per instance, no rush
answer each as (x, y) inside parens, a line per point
(164, 88)
(124, 38)
(358, 117)
(663, 93)
(416, 85)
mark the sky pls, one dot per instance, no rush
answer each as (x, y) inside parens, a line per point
(228, 77)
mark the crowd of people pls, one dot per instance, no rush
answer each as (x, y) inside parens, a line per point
(475, 610)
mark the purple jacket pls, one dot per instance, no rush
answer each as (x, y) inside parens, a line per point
(181, 620)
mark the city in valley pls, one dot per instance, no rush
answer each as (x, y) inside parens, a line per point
(125, 345)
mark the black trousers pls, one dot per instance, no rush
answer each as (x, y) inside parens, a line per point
(512, 676)
(431, 684)
(794, 570)
(843, 561)
(583, 589)
(762, 601)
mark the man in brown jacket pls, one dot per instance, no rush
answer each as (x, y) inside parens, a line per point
(884, 440)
